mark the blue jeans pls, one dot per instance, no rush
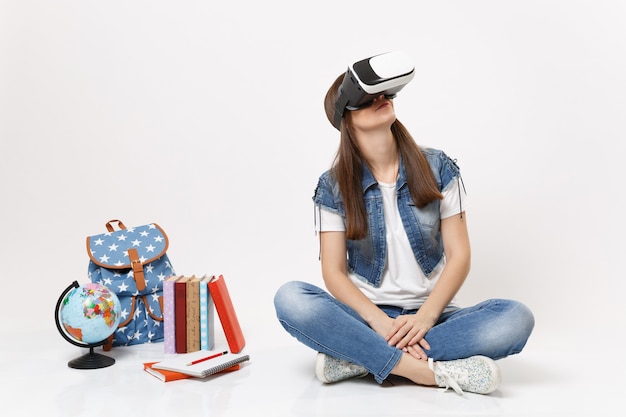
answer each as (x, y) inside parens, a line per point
(495, 328)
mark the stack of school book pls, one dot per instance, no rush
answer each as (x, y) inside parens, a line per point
(189, 306)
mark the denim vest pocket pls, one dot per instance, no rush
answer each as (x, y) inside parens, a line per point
(423, 230)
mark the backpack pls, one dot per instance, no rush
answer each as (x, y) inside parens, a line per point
(132, 263)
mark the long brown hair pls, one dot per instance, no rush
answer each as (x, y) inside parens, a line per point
(348, 164)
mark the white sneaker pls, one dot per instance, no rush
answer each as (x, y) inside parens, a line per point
(478, 374)
(329, 369)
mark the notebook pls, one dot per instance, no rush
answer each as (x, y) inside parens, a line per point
(180, 314)
(207, 316)
(226, 313)
(169, 324)
(162, 374)
(204, 368)
(167, 376)
(193, 314)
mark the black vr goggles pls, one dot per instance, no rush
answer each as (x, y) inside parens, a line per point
(365, 80)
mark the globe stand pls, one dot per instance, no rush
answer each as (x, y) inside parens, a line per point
(91, 360)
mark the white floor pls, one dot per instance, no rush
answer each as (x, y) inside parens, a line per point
(545, 380)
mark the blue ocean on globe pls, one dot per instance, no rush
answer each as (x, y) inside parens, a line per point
(90, 313)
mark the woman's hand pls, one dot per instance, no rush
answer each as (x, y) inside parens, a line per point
(383, 324)
(407, 333)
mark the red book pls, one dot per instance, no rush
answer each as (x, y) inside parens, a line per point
(180, 314)
(226, 313)
(163, 375)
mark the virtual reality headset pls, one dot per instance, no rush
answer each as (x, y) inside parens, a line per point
(383, 74)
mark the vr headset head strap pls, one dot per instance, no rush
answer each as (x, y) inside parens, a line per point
(340, 107)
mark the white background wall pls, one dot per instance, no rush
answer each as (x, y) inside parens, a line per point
(207, 118)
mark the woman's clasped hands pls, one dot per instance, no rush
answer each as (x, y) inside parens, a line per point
(407, 333)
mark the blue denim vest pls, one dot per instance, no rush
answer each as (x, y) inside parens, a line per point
(366, 257)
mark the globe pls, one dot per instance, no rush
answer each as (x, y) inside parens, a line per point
(86, 315)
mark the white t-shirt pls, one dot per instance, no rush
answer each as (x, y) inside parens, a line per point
(403, 284)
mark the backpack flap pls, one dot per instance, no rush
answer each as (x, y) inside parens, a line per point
(129, 252)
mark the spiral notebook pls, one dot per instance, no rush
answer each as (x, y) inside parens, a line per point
(186, 362)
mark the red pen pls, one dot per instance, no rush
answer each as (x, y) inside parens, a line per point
(207, 358)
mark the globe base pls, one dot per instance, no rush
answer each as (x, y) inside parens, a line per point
(91, 360)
